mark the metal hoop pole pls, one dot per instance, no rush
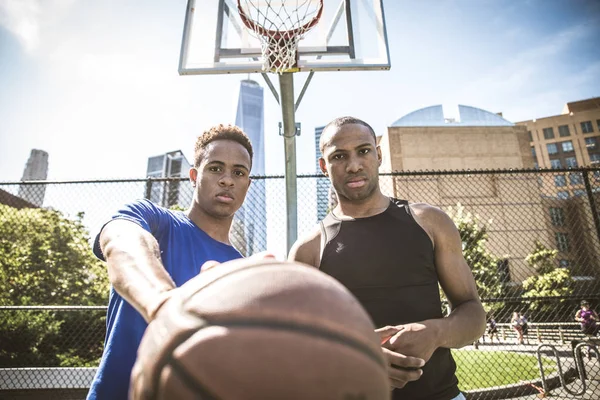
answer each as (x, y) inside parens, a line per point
(286, 90)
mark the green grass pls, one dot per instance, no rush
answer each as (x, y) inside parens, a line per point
(478, 369)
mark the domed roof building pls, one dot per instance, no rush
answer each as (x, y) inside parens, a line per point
(463, 137)
(439, 138)
(467, 116)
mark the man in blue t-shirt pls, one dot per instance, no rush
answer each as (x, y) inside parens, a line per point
(150, 250)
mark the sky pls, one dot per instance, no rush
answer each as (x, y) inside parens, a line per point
(95, 83)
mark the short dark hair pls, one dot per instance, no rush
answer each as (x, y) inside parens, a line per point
(341, 121)
(584, 303)
(221, 132)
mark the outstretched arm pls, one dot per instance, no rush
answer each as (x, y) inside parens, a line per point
(135, 268)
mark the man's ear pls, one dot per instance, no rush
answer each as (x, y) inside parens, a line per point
(193, 175)
(379, 157)
(323, 166)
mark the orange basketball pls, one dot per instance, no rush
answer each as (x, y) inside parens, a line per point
(261, 329)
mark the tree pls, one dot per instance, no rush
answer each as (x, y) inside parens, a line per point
(550, 280)
(46, 259)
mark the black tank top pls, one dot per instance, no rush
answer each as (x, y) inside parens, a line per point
(387, 262)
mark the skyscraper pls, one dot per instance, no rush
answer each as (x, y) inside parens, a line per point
(323, 191)
(249, 232)
(36, 169)
(169, 193)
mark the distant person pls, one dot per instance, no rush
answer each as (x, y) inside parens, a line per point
(150, 250)
(588, 319)
(517, 324)
(392, 255)
(492, 329)
(525, 327)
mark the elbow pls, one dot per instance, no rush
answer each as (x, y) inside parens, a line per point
(481, 319)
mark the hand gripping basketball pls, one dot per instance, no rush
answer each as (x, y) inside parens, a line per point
(260, 329)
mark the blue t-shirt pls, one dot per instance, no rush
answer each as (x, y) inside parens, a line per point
(184, 248)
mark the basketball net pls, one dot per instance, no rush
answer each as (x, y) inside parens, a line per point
(279, 25)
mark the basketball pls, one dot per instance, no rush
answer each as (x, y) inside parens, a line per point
(260, 329)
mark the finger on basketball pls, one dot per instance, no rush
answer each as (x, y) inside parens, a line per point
(208, 265)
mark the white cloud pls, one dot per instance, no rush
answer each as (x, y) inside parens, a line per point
(26, 19)
(526, 72)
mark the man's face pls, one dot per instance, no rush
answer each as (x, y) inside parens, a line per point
(222, 178)
(351, 159)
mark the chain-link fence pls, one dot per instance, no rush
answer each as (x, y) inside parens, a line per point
(531, 238)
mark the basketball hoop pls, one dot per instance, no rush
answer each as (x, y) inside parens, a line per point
(280, 25)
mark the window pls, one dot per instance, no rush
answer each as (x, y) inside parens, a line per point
(549, 133)
(579, 193)
(560, 180)
(590, 142)
(571, 162)
(567, 146)
(552, 149)
(562, 263)
(555, 164)
(563, 131)
(562, 241)
(586, 127)
(531, 136)
(563, 194)
(575, 178)
(557, 216)
(533, 151)
(595, 158)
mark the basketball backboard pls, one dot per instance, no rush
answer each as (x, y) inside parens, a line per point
(350, 35)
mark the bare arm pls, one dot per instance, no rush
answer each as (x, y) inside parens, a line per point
(135, 268)
(466, 322)
(307, 250)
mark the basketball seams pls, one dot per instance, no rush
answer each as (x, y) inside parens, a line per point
(201, 391)
(174, 343)
(310, 330)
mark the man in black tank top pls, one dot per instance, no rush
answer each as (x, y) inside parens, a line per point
(391, 255)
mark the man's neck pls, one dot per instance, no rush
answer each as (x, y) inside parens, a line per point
(376, 204)
(216, 228)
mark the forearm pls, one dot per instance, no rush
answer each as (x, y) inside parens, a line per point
(135, 268)
(464, 325)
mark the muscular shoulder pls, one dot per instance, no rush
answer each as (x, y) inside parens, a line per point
(307, 249)
(433, 220)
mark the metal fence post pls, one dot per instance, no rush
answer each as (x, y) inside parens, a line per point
(590, 194)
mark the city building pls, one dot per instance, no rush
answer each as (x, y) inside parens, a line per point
(169, 193)
(567, 140)
(467, 138)
(13, 201)
(249, 230)
(36, 169)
